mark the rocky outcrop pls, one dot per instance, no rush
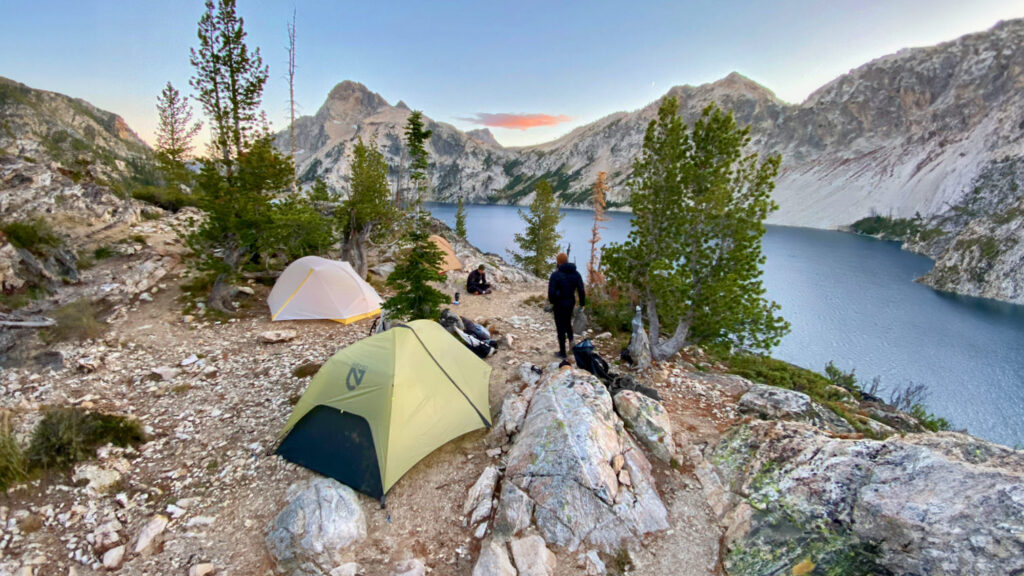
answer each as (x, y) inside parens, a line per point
(589, 483)
(309, 536)
(941, 503)
(774, 403)
(978, 244)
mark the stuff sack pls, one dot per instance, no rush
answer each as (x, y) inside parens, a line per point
(579, 322)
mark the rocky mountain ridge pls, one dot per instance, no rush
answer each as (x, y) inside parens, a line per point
(86, 142)
(902, 134)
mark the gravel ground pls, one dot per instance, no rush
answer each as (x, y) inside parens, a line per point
(213, 418)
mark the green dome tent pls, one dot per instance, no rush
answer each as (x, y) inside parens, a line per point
(379, 406)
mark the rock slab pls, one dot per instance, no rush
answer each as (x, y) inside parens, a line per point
(648, 421)
(562, 460)
(309, 536)
(943, 503)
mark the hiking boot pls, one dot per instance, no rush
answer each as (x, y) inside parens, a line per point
(560, 355)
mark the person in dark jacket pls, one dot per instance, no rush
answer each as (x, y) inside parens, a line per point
(477, 282)
(564, 284)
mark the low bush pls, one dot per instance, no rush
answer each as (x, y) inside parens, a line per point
(167, 197)
(768, 370)
(13, 466)
(67, 435)
(78, 320)
(888, 228)
(612, 312)
(34, 235)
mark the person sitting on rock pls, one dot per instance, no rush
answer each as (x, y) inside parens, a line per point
(477, 282)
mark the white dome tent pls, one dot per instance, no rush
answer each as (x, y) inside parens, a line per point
(315, 288)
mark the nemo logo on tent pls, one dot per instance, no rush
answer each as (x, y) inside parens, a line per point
(355, 377)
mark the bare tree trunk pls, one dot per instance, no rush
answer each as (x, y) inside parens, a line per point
(353, 250)
(665, 350)
(668, 348)
(291, 94)
(652, 317)
(222, 291)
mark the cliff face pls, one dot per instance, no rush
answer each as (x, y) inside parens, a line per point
(907, 133)
(903, 134)
(978, 244)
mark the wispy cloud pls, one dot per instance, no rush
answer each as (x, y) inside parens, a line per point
(517, 121)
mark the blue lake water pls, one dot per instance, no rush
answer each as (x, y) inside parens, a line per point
(853, 300)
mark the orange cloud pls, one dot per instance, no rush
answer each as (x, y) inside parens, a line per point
(517, 121)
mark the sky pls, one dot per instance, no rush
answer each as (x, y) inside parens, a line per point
(530, 70)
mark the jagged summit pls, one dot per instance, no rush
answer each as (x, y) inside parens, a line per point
(483, 135)
(350, 99)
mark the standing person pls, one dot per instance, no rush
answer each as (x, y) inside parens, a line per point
(477, 282)
(564, 284)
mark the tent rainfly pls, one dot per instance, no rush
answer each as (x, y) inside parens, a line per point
(379, 406)
(314, 288)
(451, 261)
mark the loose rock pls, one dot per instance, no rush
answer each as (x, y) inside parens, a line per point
(322, 518)
(532, 557)
(648, 421)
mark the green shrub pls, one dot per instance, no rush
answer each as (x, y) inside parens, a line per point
(768, 370)
(67, 435)
(611, 313)
(167, 197)
(103, 252)
(34, 235)
(887, 228)
(19, 298)
(13, 467)
(78, 320)
(929, 420)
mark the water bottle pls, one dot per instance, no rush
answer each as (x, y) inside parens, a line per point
(638, 322)
(456, 302)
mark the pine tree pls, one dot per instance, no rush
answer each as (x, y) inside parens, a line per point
(538, 244)
(253, 215)
(460, 219)
(419, 265)
(174, 134)
(416, 137)
(368, 207)
(229, 81)
(594, 275)
(694, 250)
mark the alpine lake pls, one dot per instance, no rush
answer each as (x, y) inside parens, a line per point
(851, 300)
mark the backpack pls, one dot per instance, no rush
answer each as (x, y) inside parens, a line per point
(588, 359)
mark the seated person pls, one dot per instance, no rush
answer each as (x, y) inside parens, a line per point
(477, 282)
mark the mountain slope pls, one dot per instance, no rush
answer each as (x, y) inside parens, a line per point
(905, 133)
(84, 140)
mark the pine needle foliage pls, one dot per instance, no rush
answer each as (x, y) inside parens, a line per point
(418, 266)
(538, 243)
(460, 219)
(694, 251)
